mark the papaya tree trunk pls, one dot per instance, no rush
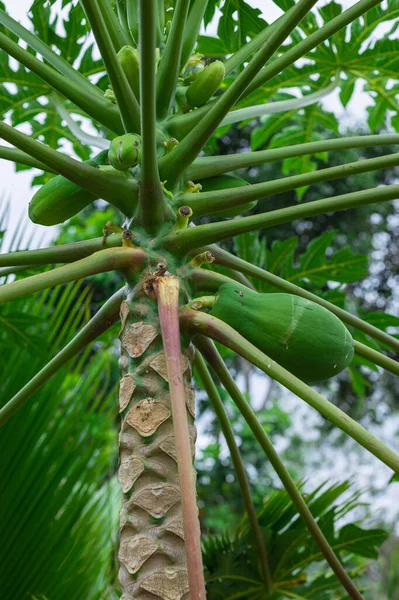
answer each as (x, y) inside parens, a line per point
(152, 551)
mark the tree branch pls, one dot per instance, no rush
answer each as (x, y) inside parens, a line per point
(117, 189)
(152, 209)
(127, 103)
(55, 60)
(96, 107)
(211, 166)
(169, 67)
(206, 203)
(195, 237)
(116, 32)
(17, 156)
(192, 28)
(59, 254)
(112, 259)
(377, 358)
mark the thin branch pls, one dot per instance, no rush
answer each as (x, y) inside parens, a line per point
(201, 323)
(195, 237)
(80, 135)
(233, 262)
(213, 357)
(106, 316)
(175, 163)
(116, 32)
(55, 60)
(152, 210)
(217, 405)
(96, 107)
(112, 259)
(126, 100)
(206, 203)
(192, 28)
(59, 254)
(17, 156)
(211, 166)
(117, 189)
(167, 293)
(311, 41)
(260, 110)
(377, 358)
(132, 13)
(169, 67)
(122, 17)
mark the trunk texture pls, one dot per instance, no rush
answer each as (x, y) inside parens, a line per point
(152, 551)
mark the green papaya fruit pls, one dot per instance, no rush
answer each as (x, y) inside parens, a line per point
(223, 182)
(300, 335)
(59, 199)
(205, 84)
(125, 151)
(129, 59)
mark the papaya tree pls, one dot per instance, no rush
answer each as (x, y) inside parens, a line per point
(156, 98)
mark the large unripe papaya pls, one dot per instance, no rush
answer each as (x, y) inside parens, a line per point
(129, 59)
(205, 84)
(59, 199)
(302, 336)
(125, 151)
(224, 182)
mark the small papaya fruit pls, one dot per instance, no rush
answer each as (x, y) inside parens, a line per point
(129, 59)
(223, 182)
(302, 336)
(59, 199)
(125, 151)
(205, 84)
